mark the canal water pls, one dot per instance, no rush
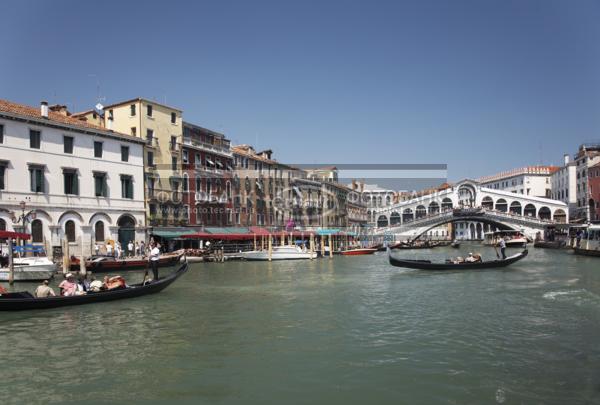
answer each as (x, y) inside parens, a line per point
(351, 330)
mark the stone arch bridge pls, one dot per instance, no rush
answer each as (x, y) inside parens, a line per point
(468, 201)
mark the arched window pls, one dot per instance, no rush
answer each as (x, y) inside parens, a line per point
(70, 230)
(99, 231)
(37, 231)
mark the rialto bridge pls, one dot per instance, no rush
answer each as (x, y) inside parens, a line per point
(467, 202)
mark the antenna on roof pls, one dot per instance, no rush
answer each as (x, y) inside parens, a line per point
(99, 98)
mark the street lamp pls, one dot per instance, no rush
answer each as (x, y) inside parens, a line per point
(24, 216)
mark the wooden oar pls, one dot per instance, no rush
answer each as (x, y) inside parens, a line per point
(497, 255)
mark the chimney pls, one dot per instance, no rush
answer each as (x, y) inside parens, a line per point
(44, 109)
(109, 123)
(566, 157)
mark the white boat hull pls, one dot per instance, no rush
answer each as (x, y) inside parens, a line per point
(279, 253)
(29, 273)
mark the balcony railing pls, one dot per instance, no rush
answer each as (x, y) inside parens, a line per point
(208, 147)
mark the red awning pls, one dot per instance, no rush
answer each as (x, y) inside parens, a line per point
(257, 230)
(14, 235)
(219, 236)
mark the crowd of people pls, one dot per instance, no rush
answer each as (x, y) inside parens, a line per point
(132, 249)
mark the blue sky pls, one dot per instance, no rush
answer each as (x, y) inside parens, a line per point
(480, 85)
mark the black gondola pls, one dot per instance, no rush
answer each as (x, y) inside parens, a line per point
(455, 245)
(24, 300)
(428, 265)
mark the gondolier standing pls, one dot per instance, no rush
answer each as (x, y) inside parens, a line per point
(502, 245)
(154, 257)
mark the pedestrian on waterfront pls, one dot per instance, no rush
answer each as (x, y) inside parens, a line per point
(44, 291)
(137, 248)
(130, 248)
(109, 249)
(118, 251)
(96, 248)
(143, 248)
(154, 258)
(502, 245)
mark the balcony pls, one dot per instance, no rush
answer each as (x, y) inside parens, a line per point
(208, 147)
(152, 142)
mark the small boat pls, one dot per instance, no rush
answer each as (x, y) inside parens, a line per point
(103, 264)
(511, 238)
(428, 265)
(546, 244)
(455, 244)
(19, 301)
(30, 264)
(30, 269)
(412, 245)
(359, 251)
(587, 242)
(289, 252)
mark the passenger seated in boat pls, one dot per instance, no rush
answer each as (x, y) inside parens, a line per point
(114, 283)
(96, 285)
(470, 258)
(459, 260)
(477, 257)
(68, 287)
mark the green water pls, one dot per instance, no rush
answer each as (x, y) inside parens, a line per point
(352, 330)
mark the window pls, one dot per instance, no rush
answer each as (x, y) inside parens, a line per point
(37, 231)
(124, 153)
(2, 172)
(149, 135)
(99, 231)
(34, 139)
(185, 157)
(153, 210)
(68, 144)
(173, 142)
(132, 110)
(1, 133)
(198, 184)
(173, 118)
(151, 187)
(174, 163)
(185, 183)
(100, 188)
(97, 149)
(36, 176)
(150, 158)
(71, 181)
(111, 115)
(126, 186)
(149, 110)
(70, 230)
(133, 131)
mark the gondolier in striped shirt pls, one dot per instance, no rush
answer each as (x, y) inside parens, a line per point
(154, 258)
(502, 244)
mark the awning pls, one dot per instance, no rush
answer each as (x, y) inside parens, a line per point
(172, 234)
(14, 235)
(219, 236)
(328, 231)
(257, 230)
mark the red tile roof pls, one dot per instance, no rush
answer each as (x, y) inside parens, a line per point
(34, 112)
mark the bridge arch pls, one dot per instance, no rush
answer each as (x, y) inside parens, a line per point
(491, 223)
(515, 208)
(382, 221)
(545, 213)
(408, 215)
(434, 208)
(487, 202)
(395, 218)
(560, 216)
(421, 211)
(501, 205)
(529, 210)
(446, 204)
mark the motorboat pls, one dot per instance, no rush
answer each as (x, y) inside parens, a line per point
(587, 241)
(511, 238)
(289, 252)
(34, 268)
(359, 251)
(103, 264)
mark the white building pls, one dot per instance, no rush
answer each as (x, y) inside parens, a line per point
(530, 180)
(563, 184)
(68, 177)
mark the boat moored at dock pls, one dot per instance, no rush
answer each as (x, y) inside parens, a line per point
(289, 252)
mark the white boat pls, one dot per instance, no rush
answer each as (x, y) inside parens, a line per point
(511, 238)
(587, 241)
(30, 269)
(279, 253)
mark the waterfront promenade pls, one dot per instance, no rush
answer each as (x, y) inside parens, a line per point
(342, 331)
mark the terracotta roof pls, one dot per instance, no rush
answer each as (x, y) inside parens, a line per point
(34, 112)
